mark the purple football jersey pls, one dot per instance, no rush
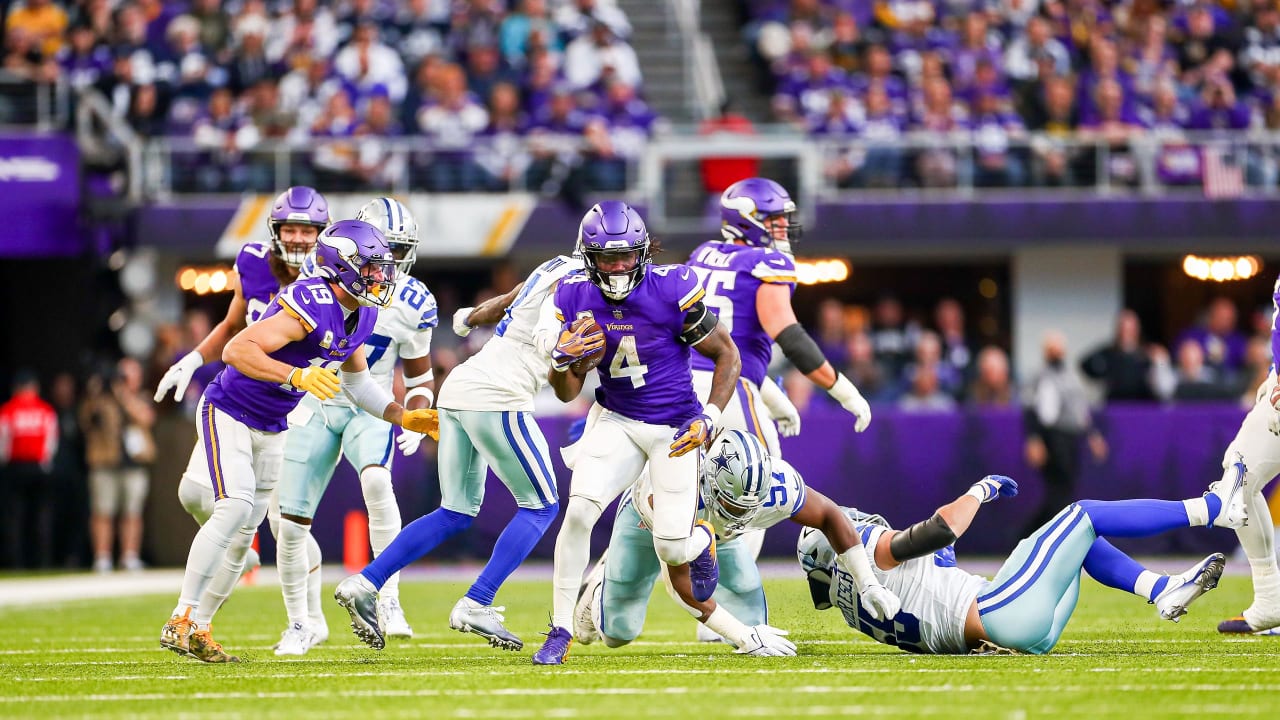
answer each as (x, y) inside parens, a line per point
(645, 372)
(265, 405)
(257, 282)
(732, 274)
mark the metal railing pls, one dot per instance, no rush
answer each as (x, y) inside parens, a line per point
(40, 105)
(102, 135)
(704, 88)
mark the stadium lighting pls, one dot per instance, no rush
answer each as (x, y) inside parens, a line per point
(204, 281)
(812, 272)
(1221, 269)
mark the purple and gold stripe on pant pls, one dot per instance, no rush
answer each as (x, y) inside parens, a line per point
(211, 450)
(748, 400)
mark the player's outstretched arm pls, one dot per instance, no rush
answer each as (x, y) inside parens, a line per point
(249, 351)
(179, 375)
(773, 306)
(760, 640)
(487, 313)
(374, 399)
(703, 331)
(948, 523)
(821, 513)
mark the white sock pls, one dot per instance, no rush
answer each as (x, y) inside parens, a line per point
(384, 517)
(209, 550)
(315, 611)
(291, 560)
(573, 550)
(1146, 584)
(1197, 511)
(224, 581)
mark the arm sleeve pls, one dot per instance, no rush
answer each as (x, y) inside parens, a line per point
(367, 394)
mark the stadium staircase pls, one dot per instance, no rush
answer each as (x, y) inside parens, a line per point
(657, 44)
(720, 19)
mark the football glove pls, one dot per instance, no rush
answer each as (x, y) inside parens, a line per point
(695, 432)
(575, 344)
(781, 411)
(460, 326)
(850, 399)
(178, 376)
(319, 381)
(424, 420)
(409, 441)
(993, 486)
(766, 641)
(879, 601)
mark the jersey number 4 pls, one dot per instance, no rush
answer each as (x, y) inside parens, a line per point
(626, 362)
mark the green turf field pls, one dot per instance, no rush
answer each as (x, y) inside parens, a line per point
(101, 659)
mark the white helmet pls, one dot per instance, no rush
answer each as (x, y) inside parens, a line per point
(394, 220)
(735, 477)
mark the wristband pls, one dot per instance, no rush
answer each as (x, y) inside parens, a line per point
(854, 561)
(420, 392)
(416, 380)
(713, 414)
(727, 626)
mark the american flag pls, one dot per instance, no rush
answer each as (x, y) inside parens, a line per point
(1223, 177)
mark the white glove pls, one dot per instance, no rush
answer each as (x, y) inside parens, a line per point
(781, 410)
(460, 326)
(850, 399)
(1273, 424)
(766, 641)
(879, 601)
(408, 441)
(178, 376)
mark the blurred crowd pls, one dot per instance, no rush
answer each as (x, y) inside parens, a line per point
(996, 71)
(494, 95)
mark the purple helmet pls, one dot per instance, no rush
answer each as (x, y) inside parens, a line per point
(299, 205)
(355, 255)
(746, 204)
(614, 245)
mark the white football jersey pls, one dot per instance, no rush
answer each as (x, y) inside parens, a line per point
(510, 369)
(403, 330)
(935, 594)
(786, 495)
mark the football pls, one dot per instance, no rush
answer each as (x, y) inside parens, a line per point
(582, 366)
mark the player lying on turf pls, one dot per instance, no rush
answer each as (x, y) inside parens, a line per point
(742, 489)
(946, 610)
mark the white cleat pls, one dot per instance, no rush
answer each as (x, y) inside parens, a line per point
(297, 639)
(1184, 589)
(585, 630)
(485, 621)
(393, 620)
(1231, 490)
(319, 630)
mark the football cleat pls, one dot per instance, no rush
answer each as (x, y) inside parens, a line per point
(986, 647)
(176, 634)
(1231, 491)
(1235, 626)
(589, 596)
(483, 620)
(297, 639)
(359, 598)
(393, 620)
(205, 649)
(704, 573)
(319, 630)
(1182, 590)
(555, 648)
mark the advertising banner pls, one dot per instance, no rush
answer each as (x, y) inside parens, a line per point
(39, 196)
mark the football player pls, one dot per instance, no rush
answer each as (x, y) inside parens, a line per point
(297, 217)
(946, 610)
(311, 327)
(319, 431)
(486, 420)
(742, 490)
(645, 411)
(1256, 448)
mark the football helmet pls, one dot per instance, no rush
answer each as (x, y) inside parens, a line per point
(356, 256)
(397, 225)
(747, 204)
(298, 205)
(615, 247)
(734, 479)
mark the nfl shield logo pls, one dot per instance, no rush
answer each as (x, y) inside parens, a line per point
(617, 313)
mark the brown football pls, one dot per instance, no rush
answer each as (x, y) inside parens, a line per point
(582, 366)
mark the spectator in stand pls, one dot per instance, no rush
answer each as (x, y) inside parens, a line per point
(879, 73)
(880, 165)
(1055, 120)
(69, 477)
(417, 28)
(250, 63)
(943, 118)
(575, 18)
(956, 350)
(1123, 366)
(144, 116)
(305, 91)
(557, 142)
(516, 28)
(832, 331)
(1257, 369)
(117, 417)
(377, 164)
(502, 153)
(215, 27)
(28, 443)
(1056, 418)
(306, 30)
(188, 69)
(1197, 382)
(996, 131)
(354, 13)
(83, 60)
(1261, 54)
(1025, 53)
(225, 135)
(893, 338)
(540, 82)
(807, 93)
(1222, 342)
(925, 394)
(451, 124)
(366, 63)
(1177, 161)
(721, 172)
(866, 373)
(1205, 49)
(993, 386)
(630, 125)
(978, 44)
(1152, 63)
(335, 152)
(928, 354)
(41, 20)
(484, 70)
(1115, 126)
(1218, 109)
(600, 55)
(847, 47)
(838, 125)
